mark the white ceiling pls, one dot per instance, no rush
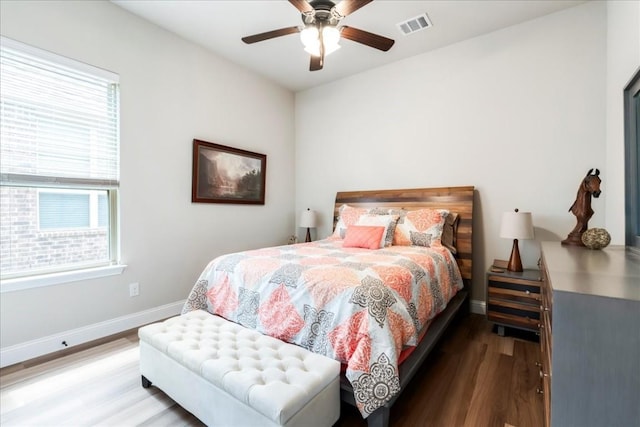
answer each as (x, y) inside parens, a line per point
(218, 26)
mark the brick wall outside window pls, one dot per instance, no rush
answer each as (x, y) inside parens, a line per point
(24, 247)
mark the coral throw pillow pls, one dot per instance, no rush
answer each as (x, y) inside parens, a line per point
(386, 221)
(363, 236)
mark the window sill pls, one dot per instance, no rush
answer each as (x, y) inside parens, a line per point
(22, 283)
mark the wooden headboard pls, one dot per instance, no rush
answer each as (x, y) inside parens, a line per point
(454, 199)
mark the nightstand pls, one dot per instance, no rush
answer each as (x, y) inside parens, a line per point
(513, 299)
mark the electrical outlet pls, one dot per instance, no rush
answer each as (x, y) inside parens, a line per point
(134, 289)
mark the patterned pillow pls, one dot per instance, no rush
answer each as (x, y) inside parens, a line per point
(386, 221)
(347, 215)
(363, 236)
(449, 232)
(421, 227)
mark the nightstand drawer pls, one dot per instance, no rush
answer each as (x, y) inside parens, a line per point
(525, 294)
(513, 307)
(514, 299)
(513, 320)
(510, 308)
(521, 284)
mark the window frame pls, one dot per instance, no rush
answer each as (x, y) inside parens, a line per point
(632, 162)
(81, 271)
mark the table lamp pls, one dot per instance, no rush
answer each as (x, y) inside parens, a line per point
(308, 220)
(516, 225)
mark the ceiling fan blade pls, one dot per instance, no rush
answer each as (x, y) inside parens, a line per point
(315, 64)
(270, 34)
(302, 5)
(366, 38)
(346, 7)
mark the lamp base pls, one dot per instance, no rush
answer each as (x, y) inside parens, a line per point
(308, 238)
(515, 263)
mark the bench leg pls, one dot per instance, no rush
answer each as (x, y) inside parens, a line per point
(145, 382)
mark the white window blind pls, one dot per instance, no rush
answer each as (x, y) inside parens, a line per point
(59, 120)
(59, 164)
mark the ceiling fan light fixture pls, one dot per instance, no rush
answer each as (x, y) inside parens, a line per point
(330, 36)
(310, 37)
(315, 49)
(320, 34)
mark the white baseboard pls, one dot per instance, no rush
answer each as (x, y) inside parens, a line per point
(478, 307)
(41, 346)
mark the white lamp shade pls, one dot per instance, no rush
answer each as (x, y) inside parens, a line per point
(330, 36)
(308, 219)
(516, 225)
(311, 40)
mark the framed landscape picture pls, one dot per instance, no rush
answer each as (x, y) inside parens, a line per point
(224, 174)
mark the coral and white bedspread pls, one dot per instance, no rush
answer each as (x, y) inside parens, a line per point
(358, 306)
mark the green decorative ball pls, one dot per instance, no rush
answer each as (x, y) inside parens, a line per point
(596, 238)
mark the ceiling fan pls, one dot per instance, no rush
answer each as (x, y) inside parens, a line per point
(320, 33)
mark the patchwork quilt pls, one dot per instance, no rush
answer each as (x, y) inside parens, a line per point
(358, 306)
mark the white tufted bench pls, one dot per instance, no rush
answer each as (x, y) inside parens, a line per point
(228, 375)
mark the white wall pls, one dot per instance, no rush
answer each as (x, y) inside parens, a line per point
(623, 60)
(522, 111)
(518, 113)
(171, 92)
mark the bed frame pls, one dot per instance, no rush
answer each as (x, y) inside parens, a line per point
(455, 199)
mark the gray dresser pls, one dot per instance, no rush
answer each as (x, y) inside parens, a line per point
(590, 336)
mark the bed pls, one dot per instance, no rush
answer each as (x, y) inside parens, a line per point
(377, 309)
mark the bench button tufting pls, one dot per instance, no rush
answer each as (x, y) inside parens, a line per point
(227, 355)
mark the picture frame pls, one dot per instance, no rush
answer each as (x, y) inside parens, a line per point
(224, 174)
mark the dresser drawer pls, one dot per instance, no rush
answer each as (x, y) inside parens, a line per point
(545, 341)
(547, 299)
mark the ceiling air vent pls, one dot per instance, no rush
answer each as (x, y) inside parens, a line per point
(412, 25)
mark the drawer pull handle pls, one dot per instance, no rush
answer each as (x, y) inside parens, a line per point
(527, 292)
(539, 390)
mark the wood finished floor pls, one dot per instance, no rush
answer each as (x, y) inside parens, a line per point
(474, 378)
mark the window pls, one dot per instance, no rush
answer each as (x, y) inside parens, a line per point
(59, 163)
(632, 161)
(60, 209)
